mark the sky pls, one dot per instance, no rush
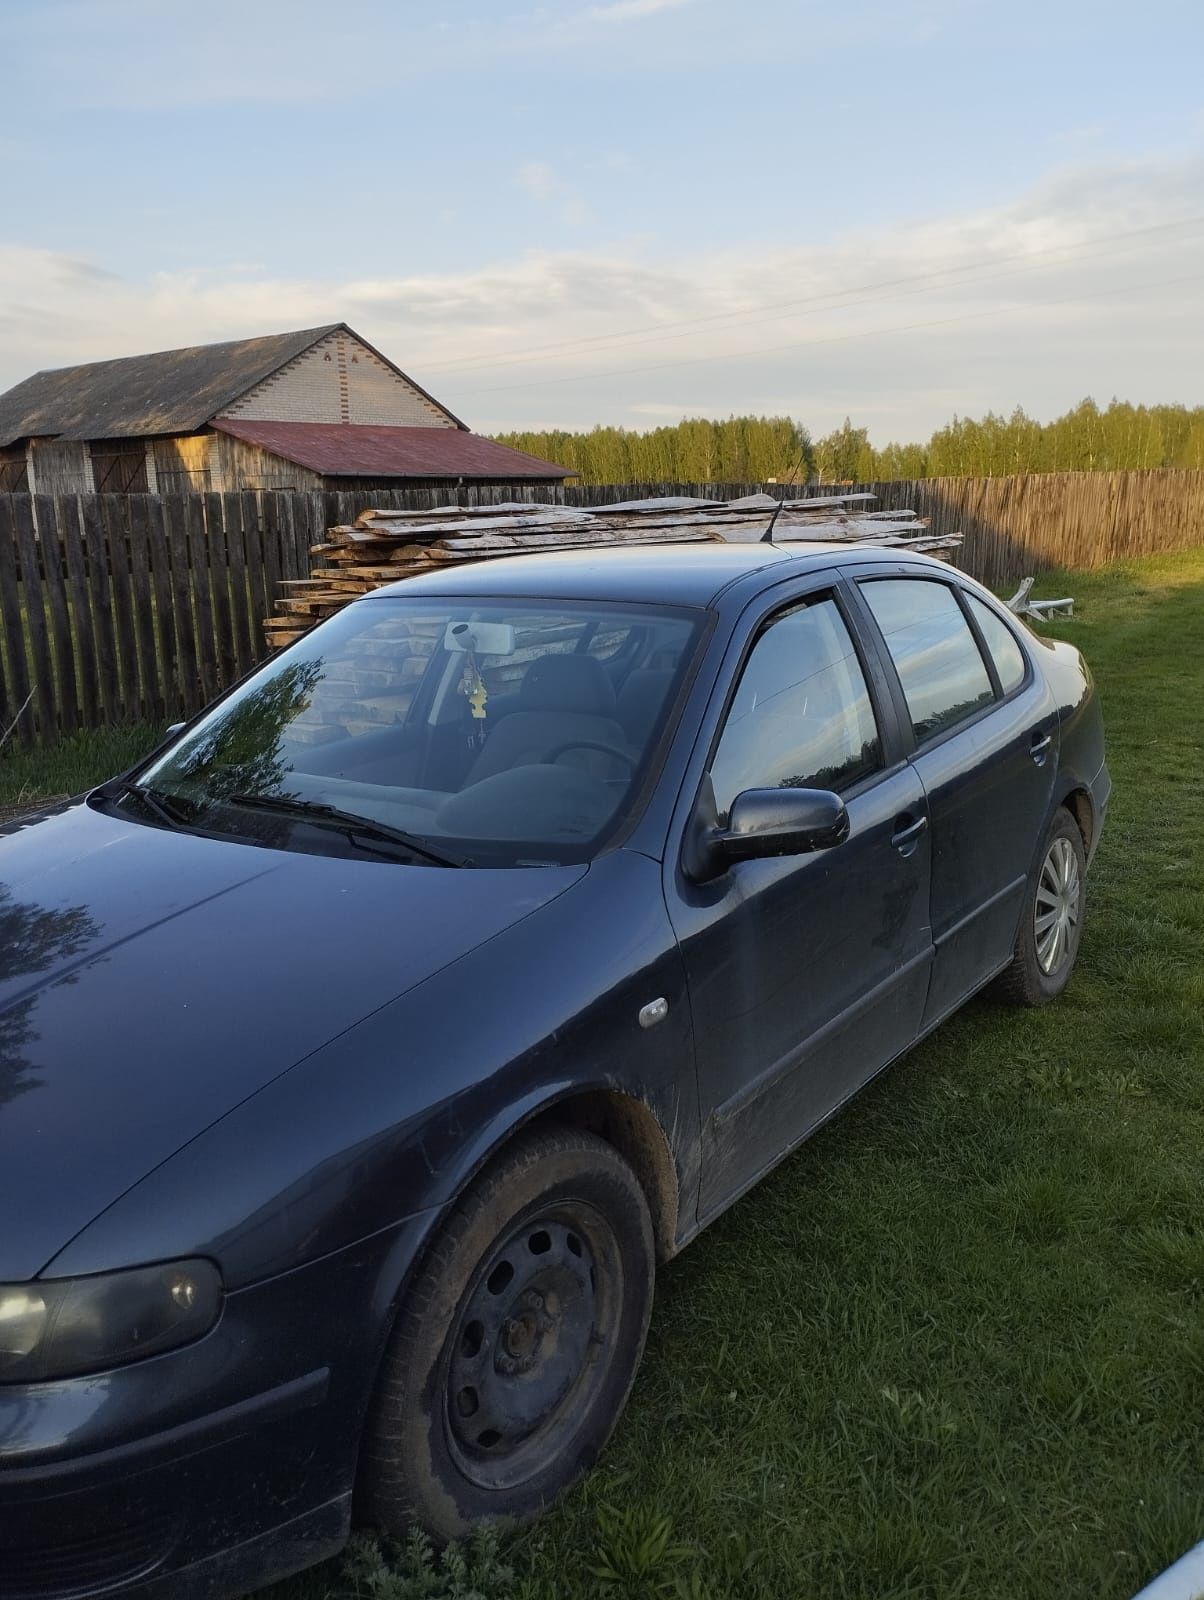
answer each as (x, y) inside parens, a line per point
(622, 211)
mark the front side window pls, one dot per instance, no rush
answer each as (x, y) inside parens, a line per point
(494, 731)
(1001, 643)
(801, 715)
(939, 664)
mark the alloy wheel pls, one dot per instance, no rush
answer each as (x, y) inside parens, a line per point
(1057, 907)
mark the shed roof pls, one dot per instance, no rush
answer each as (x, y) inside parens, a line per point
(170, 391)
(358, 450)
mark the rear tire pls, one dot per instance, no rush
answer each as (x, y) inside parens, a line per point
(1051, 922)
(514, 1352)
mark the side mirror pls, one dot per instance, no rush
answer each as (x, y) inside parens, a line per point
(172, 729)
(762, 823)
(783, 822)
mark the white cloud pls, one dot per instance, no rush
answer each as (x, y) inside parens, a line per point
(539, 181)
(626, 10)
(666, 410)
(1076, 286)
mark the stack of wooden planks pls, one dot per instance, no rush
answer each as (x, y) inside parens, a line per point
(383, 546)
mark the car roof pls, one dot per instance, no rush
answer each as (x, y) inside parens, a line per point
(694, 574)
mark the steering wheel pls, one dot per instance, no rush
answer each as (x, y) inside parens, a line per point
(593, 744)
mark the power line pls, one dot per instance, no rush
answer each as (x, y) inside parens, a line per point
(922, 287)
(651, 332)
(838, 338)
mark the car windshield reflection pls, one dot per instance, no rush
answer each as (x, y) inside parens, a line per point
(490, 732)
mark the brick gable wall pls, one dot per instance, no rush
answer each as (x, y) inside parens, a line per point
(338, 380)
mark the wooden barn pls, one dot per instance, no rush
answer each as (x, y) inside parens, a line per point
(315, 409)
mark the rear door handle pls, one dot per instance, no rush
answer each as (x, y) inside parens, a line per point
(1038, 746)
(904, 839)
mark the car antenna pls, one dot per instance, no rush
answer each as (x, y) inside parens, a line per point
(767, 536)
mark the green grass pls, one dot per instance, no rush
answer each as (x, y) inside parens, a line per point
(28, 776)
(955, 1346)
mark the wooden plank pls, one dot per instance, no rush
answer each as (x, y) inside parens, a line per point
(236, 563)
(183, 614)
(219, 575)
(167, 647)
(54, 581)
(16, 660)
(260, 599)
(71, 537)
(100, 593)
(303, 523)
(114, 510)
(208, 663)
(154, 702)
(33, 596)
(273, 566)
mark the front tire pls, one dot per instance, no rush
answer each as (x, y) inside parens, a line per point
(1051, 923)
(517, 1345)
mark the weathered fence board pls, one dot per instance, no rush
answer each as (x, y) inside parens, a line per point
(34, 610)
(182, 596)
(16, 660)
(123, 607)
(62, 637)
(109, 686)
(70, 527)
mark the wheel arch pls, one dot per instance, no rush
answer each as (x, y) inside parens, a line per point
(634, 1130)
(617, 1116)
(1077, 800)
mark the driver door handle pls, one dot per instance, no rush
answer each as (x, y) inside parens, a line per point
(904, 839)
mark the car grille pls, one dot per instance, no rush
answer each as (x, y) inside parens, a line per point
(47, 1566)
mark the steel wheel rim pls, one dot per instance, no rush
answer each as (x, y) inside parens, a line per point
(1056, 909)
(530, 1347)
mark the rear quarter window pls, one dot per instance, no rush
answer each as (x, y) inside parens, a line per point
(1001, 645)
(940, 666)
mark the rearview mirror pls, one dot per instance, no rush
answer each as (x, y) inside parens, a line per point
(783, 822)
(481, 638)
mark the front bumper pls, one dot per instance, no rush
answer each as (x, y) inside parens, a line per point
(210, 1470)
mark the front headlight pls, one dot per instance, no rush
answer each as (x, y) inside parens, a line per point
(58, 1327)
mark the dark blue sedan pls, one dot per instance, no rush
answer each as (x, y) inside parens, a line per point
(364, 1050)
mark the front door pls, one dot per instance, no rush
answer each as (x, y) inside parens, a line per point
(808, 973)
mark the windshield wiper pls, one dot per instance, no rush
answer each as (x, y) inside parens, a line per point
(162, 805)
(350, 822)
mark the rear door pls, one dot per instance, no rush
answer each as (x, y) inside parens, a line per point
(983, 728)
(806, 973)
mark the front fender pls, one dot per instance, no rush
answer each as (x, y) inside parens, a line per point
(395, 1116)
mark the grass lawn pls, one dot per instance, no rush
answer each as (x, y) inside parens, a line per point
(955, 1346)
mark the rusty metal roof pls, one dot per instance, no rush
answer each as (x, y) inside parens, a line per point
(358, 450)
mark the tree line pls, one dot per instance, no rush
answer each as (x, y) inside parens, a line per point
(738, 450)
(1087, 438)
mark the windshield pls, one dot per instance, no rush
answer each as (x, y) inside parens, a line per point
(495, 732)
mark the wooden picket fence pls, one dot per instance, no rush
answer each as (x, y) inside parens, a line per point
(128, 608)
(137, 608)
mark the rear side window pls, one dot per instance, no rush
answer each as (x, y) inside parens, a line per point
(939, 664)
(1001, 645)
(801, 715)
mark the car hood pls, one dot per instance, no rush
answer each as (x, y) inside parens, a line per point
(152, 980)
